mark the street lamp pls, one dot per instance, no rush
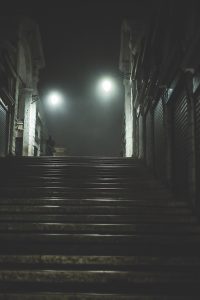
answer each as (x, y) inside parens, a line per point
(55, 99)
(106, 87)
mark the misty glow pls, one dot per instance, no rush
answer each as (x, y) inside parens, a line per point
(106, 85)
(55, 98)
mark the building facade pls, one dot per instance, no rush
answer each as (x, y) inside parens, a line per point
(21, 59)
(160, 61)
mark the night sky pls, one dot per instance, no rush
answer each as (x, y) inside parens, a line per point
(81, 42)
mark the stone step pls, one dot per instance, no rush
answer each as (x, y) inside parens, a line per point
(87, 228)
(96, 159)
(103, 276)
(83, 192)
(77, 179)
(161, 203)
(99, 262)
(158, 240)
(96, 244)
(91, 296)
(96, 164)
(65, 183)
(140, 282)
(90, 176)
(85, 189)
(95, 249)
(86, 168)
(116, 167)
(105, 219)
(29, 193)
(174, 229)
(80, 172)
(98, 210)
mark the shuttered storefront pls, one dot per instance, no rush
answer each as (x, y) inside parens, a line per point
(180, 145)
(3, 130)
(149, 140)
(198, 146)
(141, 146)
(137, 137)
(159, 140)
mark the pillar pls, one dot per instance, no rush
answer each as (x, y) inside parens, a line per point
(128, 119)
(29, 122)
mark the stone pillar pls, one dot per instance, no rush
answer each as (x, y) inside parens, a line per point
(29, 122)
(128, 119)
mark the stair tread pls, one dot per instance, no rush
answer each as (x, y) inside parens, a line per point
(81, 209)
(115, 239)
(90, 296)
(128, 261)
(94, 228)
(105, 218)
(100, 228)
(91, 202)
(100, 276)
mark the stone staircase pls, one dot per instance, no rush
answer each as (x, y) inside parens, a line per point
(93, 228)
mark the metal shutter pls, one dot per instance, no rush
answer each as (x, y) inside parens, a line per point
(149, 138)
(137, 137)
(180, 145)
(198, 145)
(3, 130)
(141, 150)
(159, 140)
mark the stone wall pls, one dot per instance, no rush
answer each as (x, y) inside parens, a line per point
(164, 68)
(25, 59)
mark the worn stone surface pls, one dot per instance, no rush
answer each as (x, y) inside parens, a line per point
(99, 228)
(94, 243)
(102, 261)
(89, 297)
